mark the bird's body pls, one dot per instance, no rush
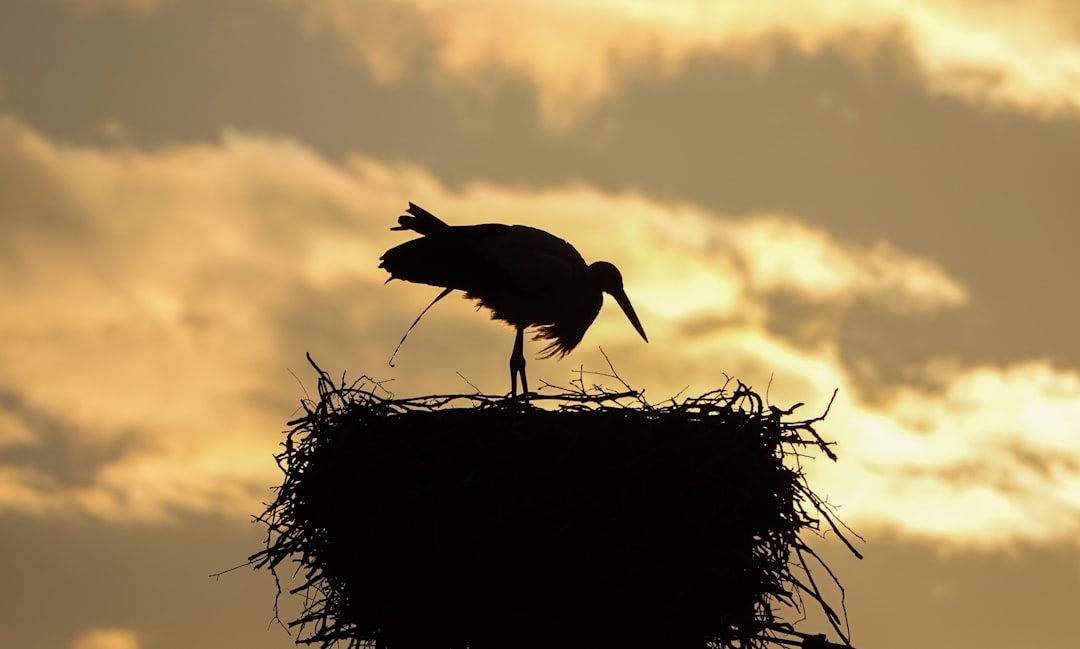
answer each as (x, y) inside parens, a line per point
(525, 276)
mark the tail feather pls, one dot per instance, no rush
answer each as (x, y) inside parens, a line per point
(447, 256)
(447, 261)
(420, 220)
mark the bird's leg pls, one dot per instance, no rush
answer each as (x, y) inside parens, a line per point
(517, 364)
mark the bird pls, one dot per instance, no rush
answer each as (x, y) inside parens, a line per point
(525, 276)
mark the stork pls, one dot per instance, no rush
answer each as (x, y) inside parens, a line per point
(525, 276)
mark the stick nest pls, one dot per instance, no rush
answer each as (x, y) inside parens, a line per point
(601, 522)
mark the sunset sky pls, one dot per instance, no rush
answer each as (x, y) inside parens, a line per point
(875, 196)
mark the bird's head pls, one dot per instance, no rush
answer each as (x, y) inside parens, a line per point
(608, 279)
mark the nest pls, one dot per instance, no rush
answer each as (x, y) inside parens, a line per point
(601, 522)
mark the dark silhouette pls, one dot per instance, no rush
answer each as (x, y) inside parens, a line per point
(527, 277)
(416, 524)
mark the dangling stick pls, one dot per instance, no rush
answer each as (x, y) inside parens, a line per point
(402, 341)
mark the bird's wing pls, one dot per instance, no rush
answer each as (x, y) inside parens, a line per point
(454, 257)
(533, 260)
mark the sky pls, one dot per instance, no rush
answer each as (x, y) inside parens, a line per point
(872, 196)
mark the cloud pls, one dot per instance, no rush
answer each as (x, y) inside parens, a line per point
(143, 283)
(112, 638)
(15, 431)
(784, 254)
(988, 458)
(155, 299)
(1019, 55)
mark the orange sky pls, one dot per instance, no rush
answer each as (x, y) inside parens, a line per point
(873, 196)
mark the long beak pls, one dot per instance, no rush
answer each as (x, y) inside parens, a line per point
(628, 309)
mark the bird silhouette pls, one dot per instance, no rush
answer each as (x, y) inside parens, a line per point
(525, 276)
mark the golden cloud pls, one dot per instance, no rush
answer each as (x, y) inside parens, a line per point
(784, 254)
(1019, 55)
(156, 298)
(141, 285)
(110, 638)
(989, 458)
